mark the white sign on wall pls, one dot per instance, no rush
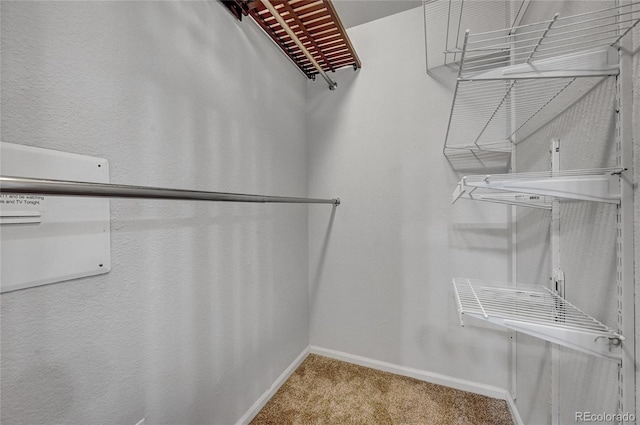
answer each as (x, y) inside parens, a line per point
(46, 239)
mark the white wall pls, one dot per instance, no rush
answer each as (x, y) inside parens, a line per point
(206, 304)
(636, 190)
(381, 265)
(357, 12)
(586, 130)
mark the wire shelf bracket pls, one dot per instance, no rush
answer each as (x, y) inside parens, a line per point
(446, 20)
(513, 80)
(517, 199)
(535, 189)
(539, 312)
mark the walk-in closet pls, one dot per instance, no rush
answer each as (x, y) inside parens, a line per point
(225, 212)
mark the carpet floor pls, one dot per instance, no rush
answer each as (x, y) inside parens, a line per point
(331, 392)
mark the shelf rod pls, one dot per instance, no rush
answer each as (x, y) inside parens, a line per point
(484, 313)
(564, 18)
(542, 107)
(453, 104)
(559, 47)
(289, 31)
(506, 95)
(626, 31)
(458, 30)
(9, 184)
(464, 51)
(556, 28)
(544, 34)
(502, 45)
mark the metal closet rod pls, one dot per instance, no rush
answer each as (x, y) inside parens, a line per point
(10, 184)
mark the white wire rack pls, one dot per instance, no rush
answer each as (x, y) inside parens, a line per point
(536, 311)
(575, 45)
(537, 189)
(490, 115)
(447, 20)
(507, 77)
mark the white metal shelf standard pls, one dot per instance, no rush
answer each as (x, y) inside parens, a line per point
(506, 78)
(625, 226)
(557, 284)
(539, 312)
(537, 189)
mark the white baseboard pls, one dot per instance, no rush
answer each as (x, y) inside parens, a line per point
(422, 375)
(514, 410)
(264, 398)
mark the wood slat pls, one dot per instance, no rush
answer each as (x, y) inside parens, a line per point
(296, 57)
(319, 35)
(325, 32)
(310, 8)
(329, 44)
(299, 5)
(332, 51)
(334, 14)
(329, 39)
(317, 26)
(344, 63)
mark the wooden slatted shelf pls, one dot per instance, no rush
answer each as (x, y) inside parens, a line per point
(314, 22)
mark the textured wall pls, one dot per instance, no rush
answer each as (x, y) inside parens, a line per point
(586, 129)
(636, 191)
(206, 304)
(381, 266)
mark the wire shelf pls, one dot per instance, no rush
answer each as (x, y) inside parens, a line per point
(537, 311)
(512, 81)
(447, 20)
(491, 115)
(537, 189)
(558, 44)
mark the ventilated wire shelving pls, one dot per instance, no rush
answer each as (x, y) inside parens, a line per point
(538, 189)
(447, 20)
(536, 311)
(506, 78)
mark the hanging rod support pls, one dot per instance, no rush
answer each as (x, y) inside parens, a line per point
(289, 31)
(9, 184)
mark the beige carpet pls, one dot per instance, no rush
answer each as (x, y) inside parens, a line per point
(331, 392)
